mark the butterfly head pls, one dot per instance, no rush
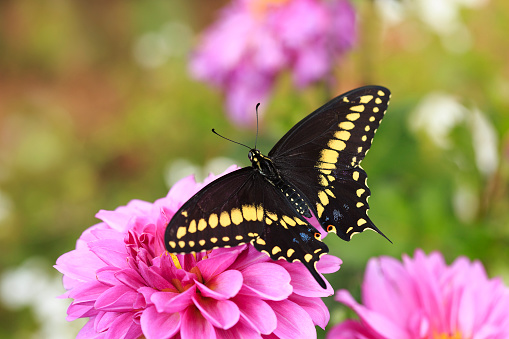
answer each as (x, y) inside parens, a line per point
(263, 164)
(254, 156)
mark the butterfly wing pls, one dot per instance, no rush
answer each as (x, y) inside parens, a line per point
(321, 157)
(242, 207)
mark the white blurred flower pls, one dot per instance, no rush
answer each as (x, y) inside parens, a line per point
(441, 16)
(465, 202)
(485, 142)
(438, 113)
(31, 286)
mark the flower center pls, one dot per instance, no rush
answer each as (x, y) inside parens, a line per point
(176, 282)
(176, 261)
(455, 335)
(260, 7)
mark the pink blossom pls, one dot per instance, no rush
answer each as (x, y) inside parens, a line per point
(123, 280)
(426, 299)
(254, 41)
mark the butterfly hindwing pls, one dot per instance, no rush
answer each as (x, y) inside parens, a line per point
(288, 236)
(343, 206)
(321, 157)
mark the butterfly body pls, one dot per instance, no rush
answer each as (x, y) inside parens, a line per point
(265, 166)
(314, 169)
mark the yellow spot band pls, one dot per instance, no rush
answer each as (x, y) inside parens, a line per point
(212, 221)
(338, 145)
(249, 212)
(355, 176)
(236, 216)
(359, 108)
(328, 155)
(353, 116)
(181, 232)
(192, 227)
(366, 98)
(343, 135)
(202, 224)
(224, 219)
(346, 125)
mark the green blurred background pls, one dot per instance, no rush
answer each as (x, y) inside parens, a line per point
(97, 107)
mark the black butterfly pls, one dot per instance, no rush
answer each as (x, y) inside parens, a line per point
(313, 169)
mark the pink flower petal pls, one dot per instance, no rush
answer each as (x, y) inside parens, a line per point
(239, 331)
(248, 257)
(79, 265)
(88, 331)
(171, 302)
(157, 325)
(155, 280)
(315, 307)
(350, 330)
(220, 313)
(257, 313)
(292, 321)
(303, 282)
(181, 189)
(399, 289)
(222, 286)
(111, 252)
(195, 326)
(130, 278)
(266, 280)
(114, 219)
(117, 298)
(328, 264)
(377, 322)
(187, 261)
(124, 327)
(106, 275)
(217, 264)
(85, 310)
(89, 291)
(103, 320)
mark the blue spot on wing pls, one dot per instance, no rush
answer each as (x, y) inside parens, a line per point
(305, 237)
(337, 215)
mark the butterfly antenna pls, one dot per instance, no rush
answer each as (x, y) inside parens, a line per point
(214, 131)
(256, 140)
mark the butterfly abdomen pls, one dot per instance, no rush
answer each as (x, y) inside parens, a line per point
(293, 197)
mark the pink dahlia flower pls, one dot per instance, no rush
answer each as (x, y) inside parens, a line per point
(123, 280)
(423, 298)
(255, 40)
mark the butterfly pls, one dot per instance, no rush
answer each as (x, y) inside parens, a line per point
(314, 169)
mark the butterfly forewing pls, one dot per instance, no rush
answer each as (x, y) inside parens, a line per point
(321, 156)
